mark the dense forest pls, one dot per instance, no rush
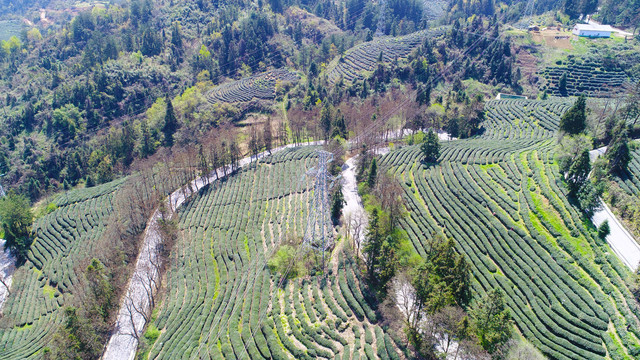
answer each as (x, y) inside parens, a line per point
(86, 112)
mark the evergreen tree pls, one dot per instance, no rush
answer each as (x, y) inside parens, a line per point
(430, 147)
(170, 123)
(574, 121)
(604, 230)
(373, 243)
(373, 173)
(325, 119)
(562, 84)
(578, 172)
(268, 135)
(337, 202)
(339, 126)
(176, 36)
(618, 153)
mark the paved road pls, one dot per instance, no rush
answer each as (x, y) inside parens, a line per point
(620, 240)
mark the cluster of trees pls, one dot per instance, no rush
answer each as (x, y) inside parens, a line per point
(626, 13)
(573, 159)
(84, 326)
(16, 218)
(575, 8)
(616, 134)
(434, 292)
(488, 59)
(438, 309)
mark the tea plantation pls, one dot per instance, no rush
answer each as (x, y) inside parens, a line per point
(500, 196)
(630, 181)
(45, 283)
(589, 76)
(364, 57)
(222, 301)
(261, 86)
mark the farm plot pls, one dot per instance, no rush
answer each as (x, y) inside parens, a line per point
(261, 86)
(589, 77)
(364, 57)
(501, 198)
(45, 283)
(630, 181)
(221, 300)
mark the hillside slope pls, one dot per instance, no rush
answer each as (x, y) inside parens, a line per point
(501, 198)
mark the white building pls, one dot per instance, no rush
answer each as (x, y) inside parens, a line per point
(593, 30)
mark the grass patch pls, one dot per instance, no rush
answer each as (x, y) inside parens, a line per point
(48, 290)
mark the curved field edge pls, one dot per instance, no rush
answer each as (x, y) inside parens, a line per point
(45, 284)
(222, 302)
(364, 57)
(501, 198)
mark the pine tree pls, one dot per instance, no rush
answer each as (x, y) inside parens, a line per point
(268, 135)
(430, 147)
(618, 152)
(373, 243)
(574, 121)
(373, 173)
(170, 123)
(325, 119)
(578, 172)
(339, 126)
(562, 84)
(16, 218)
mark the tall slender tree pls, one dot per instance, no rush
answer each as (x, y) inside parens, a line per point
(574, 121)
(170, 123)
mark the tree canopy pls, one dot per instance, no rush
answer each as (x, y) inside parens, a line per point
(16, 218)
(430, 147)
(574, 121)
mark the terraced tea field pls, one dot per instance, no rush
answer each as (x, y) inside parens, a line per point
(501, 198)
(45, 283)
(630, 182)
(587, 77)
(261, 86)
(364, 57)
(221, 300)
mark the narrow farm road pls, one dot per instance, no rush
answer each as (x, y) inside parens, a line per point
(7, 267)
(620, 240)
(135, 308)
(355, 217)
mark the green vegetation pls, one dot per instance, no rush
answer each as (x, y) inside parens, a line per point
(430, 147)
(49, 282)
(229, 300)
(600, 76)
(574, 120)
(16, 218)
(156, 93)
(539, 253)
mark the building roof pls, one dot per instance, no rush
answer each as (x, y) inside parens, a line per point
(594, 27)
